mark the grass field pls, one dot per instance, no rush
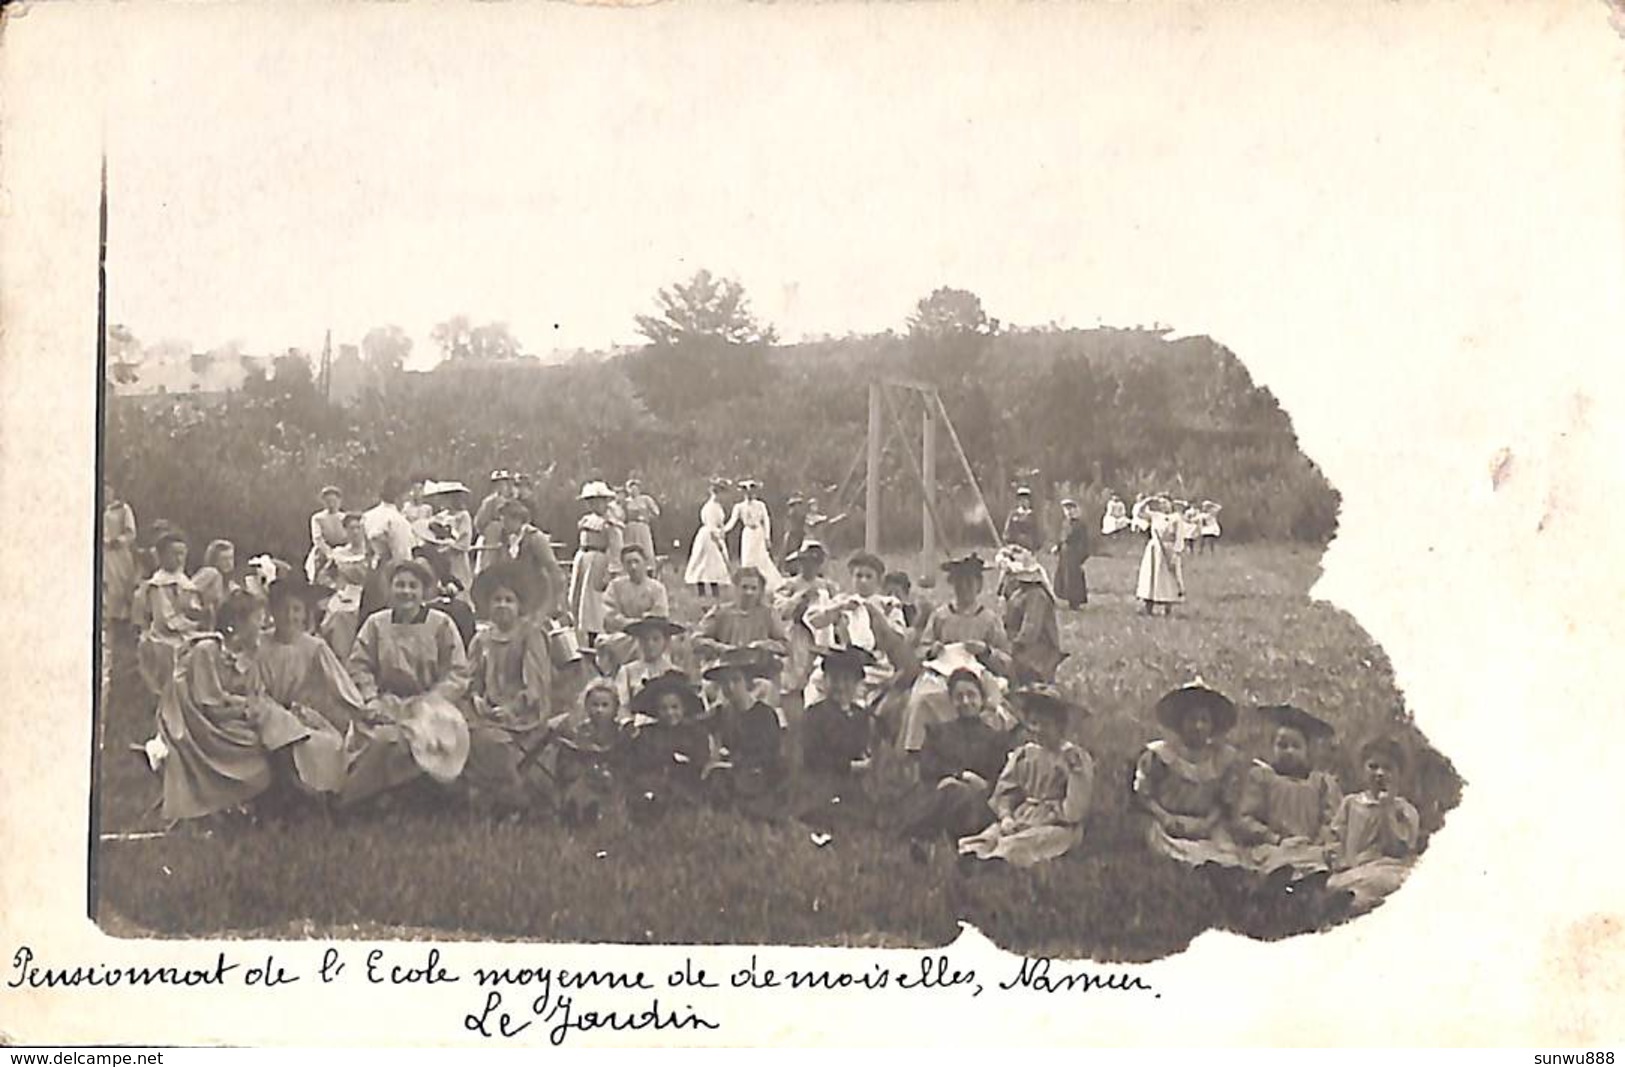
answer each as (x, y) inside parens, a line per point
(1249, 629)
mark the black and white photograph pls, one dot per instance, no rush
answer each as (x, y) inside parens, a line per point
(781, 475)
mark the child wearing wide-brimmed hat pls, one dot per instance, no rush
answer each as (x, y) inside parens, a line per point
(1376, 831)
(668, 746)
(1189, 782)
(1043, 794)
(653, 634)
(1287, 804)
(837, 741)
(510, 670)
(750, 769)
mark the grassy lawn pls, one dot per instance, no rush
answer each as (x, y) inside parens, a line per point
(1250, 630)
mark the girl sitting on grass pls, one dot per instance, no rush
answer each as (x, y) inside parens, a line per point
(1287, 804)
(956, 768)
(1189, 782)
(300, 671)
(580, 751)
(748, 768)
(1375, 832)
(227, 742)
(1043, 794)
(667, 746)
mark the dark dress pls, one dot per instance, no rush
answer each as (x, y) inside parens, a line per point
(948, 803)
(755, 781)
(830, 793)
(662, 765)
(1071, 552)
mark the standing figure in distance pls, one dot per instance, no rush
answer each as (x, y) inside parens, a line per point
(326, 533)
(1071, 550)
(756, 538)
(708, 558)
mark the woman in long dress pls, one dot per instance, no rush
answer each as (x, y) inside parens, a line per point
(1190, 783)
(589, 573)
(118, 559)
(641, 512)
(227, 741)
(1071, 550)
(708, 568)
(1043, 794)
(169, 611)
(1162, 578)
(756, 538)
(402, 654)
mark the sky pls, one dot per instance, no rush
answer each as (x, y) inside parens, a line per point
(551, 166)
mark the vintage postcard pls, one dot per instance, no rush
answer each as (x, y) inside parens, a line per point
(545, 524)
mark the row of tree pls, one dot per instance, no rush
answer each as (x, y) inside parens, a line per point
(712, 392)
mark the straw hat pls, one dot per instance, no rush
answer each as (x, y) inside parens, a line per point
(654, 624)
(755, 663)
(1294, 718)
(646, 701)
(808, 547)
(433, 488)
(331, 489)
(1178, 704)
(1041, 700)
(596, 490)
(437, 734)
(501, 475)
(506, 574)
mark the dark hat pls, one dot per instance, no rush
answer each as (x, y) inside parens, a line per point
(851, 659)
(1177, 704)
(647, 699)
(654, 624)
(1385, 745)
(424, 572)
(754, 662)
(970, 563)
(169, 537)
(295, 586)
(1294, 718)
(506, 574)
(808, 547)
(1043, 700)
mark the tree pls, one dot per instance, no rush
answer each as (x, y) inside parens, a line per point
(948, 334)
(705, 346)
(707, 308)
(385, 349)
(950, 313)
(459, 340)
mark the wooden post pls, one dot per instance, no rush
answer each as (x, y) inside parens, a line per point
(871, 499)
(959, 450)
(928, 478)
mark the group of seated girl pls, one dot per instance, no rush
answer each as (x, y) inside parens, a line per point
(933, 732)
(1286, 818)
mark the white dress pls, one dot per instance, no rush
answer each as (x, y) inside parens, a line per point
(1162, 578)
(756, 540)
(708, 559)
